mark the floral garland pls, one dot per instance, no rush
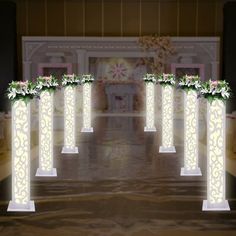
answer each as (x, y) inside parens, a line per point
(150, 78)
(70, 80)
(162, 46)
(21, 90)
(87, 79)
(48, 83)
(190, 82)
(166, 79)
(216, 89)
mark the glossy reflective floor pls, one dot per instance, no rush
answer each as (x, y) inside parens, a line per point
(118, 185)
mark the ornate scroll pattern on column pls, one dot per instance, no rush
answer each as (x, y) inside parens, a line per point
(46, 131)
(21, 150)
(69, 116)
(191, 130)
(216, 119)
(87, 105)
(167, 116)
(150, 105)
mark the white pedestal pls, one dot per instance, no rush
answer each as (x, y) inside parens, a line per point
(224, 206)
(146, 129)
(190, 135)
(21, 158)
(42, 173)
(46, 135)
(167, 149)
(69, 120)
(73, 150)
(30, 207)
(167, 120)
(216, 157)
(195, 172)
(87, 130)
(150, 114)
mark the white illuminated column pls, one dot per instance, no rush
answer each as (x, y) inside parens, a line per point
(216, 158)
(150, 127)
(190, 135)
(46, 135)
(87, 108)
(21, 158)
(167, 120)
(69, 120)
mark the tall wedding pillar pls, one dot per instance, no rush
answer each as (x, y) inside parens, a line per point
(167, 120)
(190, 135)
(87, 108)
(216, 157)
(21, 158)
(69, 120)
(150, 115)
(46, 135)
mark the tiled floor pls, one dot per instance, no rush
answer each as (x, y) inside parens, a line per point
(117, 185)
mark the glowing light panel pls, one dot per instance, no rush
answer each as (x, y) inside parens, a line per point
(21, 158)
(69, 120)
(46, 135)
(150, 108)
(167, 120)
(87, 108)
(216, 158)
(190, 135)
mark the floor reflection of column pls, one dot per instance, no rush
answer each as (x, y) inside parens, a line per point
(109, 123)
(130, 123)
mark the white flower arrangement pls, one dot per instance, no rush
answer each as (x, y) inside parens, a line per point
(150, 78)
(163, 48)
(87, 79)
(49, 83)
(70, 80)
(216, 89)
(166, 79)
(190, 82)
(24, 90)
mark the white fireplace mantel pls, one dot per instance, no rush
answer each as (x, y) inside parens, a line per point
(123, 92)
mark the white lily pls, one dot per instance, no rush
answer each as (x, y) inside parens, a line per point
(224, 93)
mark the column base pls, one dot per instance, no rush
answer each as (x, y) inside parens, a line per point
(147, 129)
(196, 172)
(30, 207)
(43, 173)
(87, 130)
(206, 206)
(73, 150)
(167, 149)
